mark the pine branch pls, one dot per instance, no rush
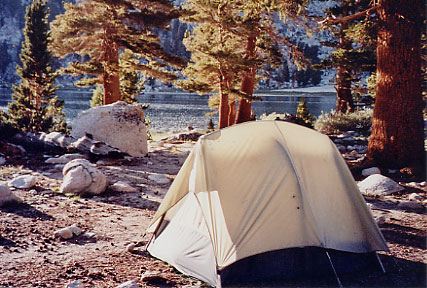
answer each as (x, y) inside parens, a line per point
(330, 21)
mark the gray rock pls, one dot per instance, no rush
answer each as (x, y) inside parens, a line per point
(415, 197)
(56, 138)
(2, 160)
(381, 219)
(121, 186)
(7, 197)
(80, 176)
(75, 284)
(159, 178)
(128, 284)
(64, 159)
(370, 171)
(131, 247)
(341, 148)
(410, 205)
(378, 184)
(120, 125)
(23, 182)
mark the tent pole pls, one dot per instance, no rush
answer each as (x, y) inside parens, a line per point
(333, 268)
(380, 262)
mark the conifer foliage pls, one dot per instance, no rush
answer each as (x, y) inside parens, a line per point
(34, 106)
(99, 30)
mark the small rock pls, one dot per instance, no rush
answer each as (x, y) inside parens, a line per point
(131, 247)
(75, 284)
(128, 284)
(415, 197)
(159, 178)
(68, 232)
(341, 148)
(381, 219)
(378, 184)
(370, 171)
(423, 184)
(7, 197)
(410, 205)
(64, 159)
(2, 160)
(121, 186)
(89, 235)
(393, 171)
(23, 182)
(414, 184)
(147, 276)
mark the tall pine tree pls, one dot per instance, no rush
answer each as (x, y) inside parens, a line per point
(34, 107)
(99, 30)
(354, 44)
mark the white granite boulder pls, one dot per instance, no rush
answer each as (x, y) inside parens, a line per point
(119, 125)
(124, 187)
(23, 182)
(80, 176)
(7, 197)
(378, 184)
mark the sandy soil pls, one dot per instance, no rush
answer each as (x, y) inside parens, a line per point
(30, 255)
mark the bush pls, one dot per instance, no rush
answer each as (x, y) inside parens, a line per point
(6, 127)
(336, 122)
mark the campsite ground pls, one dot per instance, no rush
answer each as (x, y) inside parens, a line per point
(103, 256)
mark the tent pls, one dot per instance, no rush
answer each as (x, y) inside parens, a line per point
(263, 199)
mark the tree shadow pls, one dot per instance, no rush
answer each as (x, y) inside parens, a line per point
(380, 204)
(27, 211)
(404, 235)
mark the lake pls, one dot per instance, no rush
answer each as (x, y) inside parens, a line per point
(175, 111)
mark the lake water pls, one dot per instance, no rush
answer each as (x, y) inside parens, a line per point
(176, 111)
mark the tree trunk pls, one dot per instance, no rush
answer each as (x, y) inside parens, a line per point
(232, 114)
(248, 82)
(344, 98)
(397, 138)
(110, 77)
(223, 106)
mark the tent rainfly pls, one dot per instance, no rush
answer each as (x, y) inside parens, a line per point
(264, 200)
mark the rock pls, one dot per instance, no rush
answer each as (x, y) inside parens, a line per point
(159, 178)
(131, 247)
(341, 148)
(148, 276)
(80, 176)
(56, 138)
(186, 136)
(410, 205)
(64, 159)
(75, 284)
(7, 197)
(381, 219)
(120, 125)
(128, 284)
(23, 182)
(378, 184)
(2, 160)
(68, 232)
(415, 197)
(121, 186)
(370, 171)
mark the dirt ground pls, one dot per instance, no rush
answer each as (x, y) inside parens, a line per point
(30, 255)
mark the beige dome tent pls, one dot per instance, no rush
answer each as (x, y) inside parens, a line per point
(256, 194)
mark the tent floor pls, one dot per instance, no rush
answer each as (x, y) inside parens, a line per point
(294, 263)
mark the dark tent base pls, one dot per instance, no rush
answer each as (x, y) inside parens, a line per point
(294, 263)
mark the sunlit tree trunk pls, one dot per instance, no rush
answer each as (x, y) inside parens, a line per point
(110, 77)
(397, 128)
(232, 113)
(248, 82)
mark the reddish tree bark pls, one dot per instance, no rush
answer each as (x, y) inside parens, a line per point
(110, 77)
(232, 114)
(224, 109)
(248, 82)
(397, 138)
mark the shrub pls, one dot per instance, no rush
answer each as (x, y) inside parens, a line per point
(304, 114)
(335, 122)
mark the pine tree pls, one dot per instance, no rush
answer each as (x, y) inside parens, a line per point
(304, 114)
(397, 138)
(34, 107)
(354, 44)
(99, 30)
(242, 40)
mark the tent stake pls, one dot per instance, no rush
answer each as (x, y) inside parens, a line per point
(333, 268)
(379, 261)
